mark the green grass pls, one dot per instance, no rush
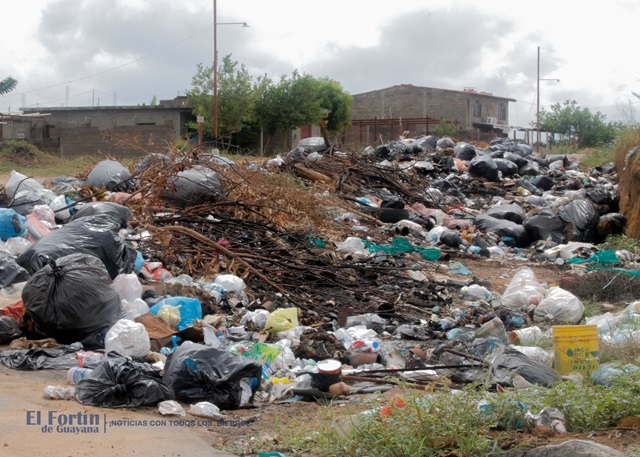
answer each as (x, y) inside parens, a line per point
(22, 156)
(621, 242)
(598, 156)
(445, 423)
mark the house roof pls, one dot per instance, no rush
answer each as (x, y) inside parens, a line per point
(465, 91)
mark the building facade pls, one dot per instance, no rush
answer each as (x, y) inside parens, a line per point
(407, 108)
(115, 130)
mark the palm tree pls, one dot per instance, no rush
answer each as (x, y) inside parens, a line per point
(7, 85)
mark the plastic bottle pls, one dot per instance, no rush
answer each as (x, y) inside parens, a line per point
(365, 346)
(76, 374)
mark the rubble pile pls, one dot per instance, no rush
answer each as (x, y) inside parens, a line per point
(318, 274)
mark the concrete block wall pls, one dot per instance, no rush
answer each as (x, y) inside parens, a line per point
(124, 141)
(406, 101)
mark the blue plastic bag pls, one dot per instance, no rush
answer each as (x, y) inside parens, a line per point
(11, 223)
(190, 309)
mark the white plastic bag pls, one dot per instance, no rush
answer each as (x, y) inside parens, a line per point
(134, 308)
(171, 408)
(286, 358)
(258, 318)
(560, 307)
(128, 286)
(536, 353)
(352, 245)
(59, 393)
(58, 203)
(206, 409)
(476, 292)
(19, 183)
(18, 245)
(230, 283)
(128, 338)
(606, 323)
(523, 290)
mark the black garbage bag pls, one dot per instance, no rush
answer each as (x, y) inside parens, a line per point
(451, 238)
(506, 167)
(484, 167)
(445, 142)
(515, 158)
(506, 362)
(154, 160)
(557, 158)
(545, 225)
(499, 154)
(114, 212)
(111, 175)
(425, 144)
(543, 182)
(121, 383)
(464, 151)
(9, 329)
(600, 196)
(510, 232)
(92, 235)
(393, 202)
(200, 373)
(582, 219)
(58, 358)
(610, 224)
(539, 160)
(71, 299)
(523, 150)
(297, 155)
(10, 271)
(24, 201)
(531, 168)
(66, 184)
(313, 144)
(196, 185)
(510, 212)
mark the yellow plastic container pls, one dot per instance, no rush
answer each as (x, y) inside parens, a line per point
(576, 349)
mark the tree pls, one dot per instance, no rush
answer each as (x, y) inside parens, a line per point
(300, 100)
(337, 104)
(154, 101)
(7, 85)
(289, 104)
(569, 119)
(235, 96)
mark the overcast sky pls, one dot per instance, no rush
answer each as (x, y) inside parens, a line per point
(82, 52)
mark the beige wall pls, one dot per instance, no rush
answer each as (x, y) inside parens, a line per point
(407, 101)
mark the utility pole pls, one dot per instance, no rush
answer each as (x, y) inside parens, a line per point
(538, 105)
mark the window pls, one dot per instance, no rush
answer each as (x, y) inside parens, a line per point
(502, 112)
(477, 109)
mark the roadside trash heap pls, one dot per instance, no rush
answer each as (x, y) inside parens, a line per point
(196, 280)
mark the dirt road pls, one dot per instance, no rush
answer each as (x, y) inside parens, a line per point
(31, 425)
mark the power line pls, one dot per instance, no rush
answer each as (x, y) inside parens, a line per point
(146, 56)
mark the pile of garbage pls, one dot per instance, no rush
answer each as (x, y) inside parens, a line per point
(195, 279)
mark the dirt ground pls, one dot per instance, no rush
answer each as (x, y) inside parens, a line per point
(25, 413)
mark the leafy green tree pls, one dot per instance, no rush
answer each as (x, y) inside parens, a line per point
(235, 96)
(302, 99)
(7, 85)
(566, 119)
(336, 103)
(154, 101)
(289, 104)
